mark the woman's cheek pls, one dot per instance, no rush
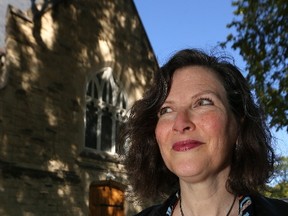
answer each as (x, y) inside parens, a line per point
(212, 122)
(161, 130)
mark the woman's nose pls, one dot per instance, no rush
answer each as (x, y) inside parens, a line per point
(183, 122)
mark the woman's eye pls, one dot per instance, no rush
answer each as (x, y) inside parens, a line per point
(204, 102)
(165, 110)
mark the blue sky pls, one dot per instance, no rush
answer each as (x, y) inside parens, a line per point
(173, 25)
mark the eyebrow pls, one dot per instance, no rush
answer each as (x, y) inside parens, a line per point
(205, 92)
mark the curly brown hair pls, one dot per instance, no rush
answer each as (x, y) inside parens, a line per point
(253, 158)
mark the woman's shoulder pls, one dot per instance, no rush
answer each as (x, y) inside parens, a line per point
(270, 206)
(162, 209)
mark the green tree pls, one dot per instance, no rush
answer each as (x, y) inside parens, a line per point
(262, 39)
(278, 191)
(280, 186)
(282, 169)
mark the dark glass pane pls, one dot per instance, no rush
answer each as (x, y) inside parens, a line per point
(107, 93)
(106, 131)
(124, 105)
(121, 101)
(89, 89)
(104, 92)
(99, 76)
(91, 126)
(95, 91)
(118, 102)
(110, 92)
(99, 82)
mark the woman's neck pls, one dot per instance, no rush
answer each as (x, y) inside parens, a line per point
(209, 197)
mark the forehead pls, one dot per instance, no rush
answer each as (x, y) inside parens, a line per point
(197, 75)
(194, 80)
(191, 82)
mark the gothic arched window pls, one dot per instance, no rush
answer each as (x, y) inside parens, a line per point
(105, 109)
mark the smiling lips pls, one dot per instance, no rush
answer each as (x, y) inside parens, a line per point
(186, 145)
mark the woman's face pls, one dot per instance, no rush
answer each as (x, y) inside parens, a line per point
(196, 130)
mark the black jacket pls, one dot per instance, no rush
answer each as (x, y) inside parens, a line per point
(263, 206)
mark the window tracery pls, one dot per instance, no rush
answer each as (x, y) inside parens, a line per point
(105, 109)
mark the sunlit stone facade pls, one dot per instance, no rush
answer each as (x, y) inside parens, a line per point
(52, 53)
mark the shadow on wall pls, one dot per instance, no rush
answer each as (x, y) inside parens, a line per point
(49, 54)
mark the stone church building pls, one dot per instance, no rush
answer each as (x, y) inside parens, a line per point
(70, 71)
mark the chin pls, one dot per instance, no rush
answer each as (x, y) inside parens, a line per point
(188, 172)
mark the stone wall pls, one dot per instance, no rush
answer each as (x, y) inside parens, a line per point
(23, 5)
(50, 52)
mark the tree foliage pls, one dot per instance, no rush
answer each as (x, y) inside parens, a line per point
(282, 169)
(280, 186)
(262, 39)
(278, 191)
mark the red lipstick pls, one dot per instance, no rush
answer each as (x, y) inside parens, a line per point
(186, 145)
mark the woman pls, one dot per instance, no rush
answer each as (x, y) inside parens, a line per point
(198, 135)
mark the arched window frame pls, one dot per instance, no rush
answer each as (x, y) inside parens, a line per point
(105, 97)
